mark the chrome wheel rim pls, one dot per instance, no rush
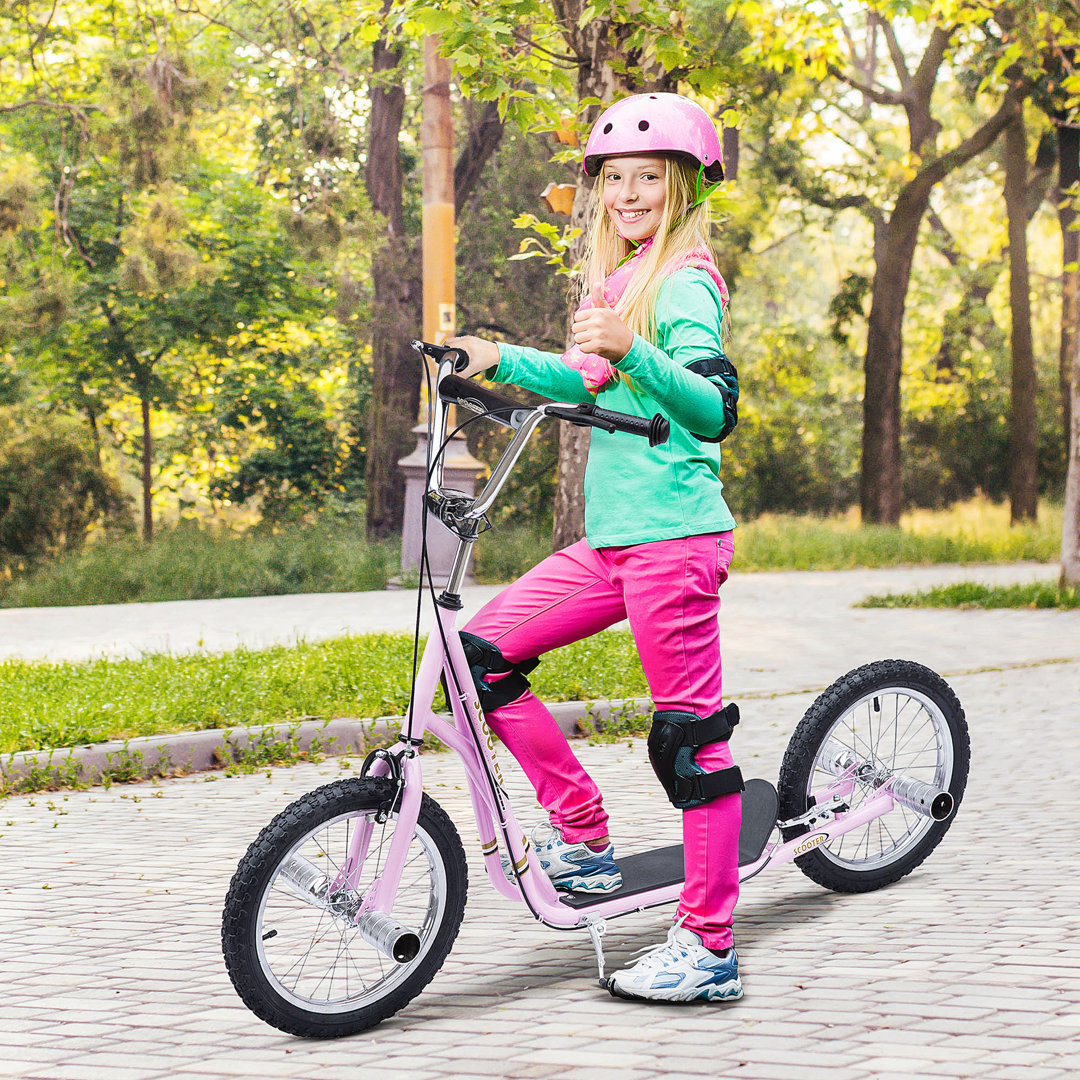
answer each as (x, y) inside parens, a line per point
(312, 952)
(899, 729)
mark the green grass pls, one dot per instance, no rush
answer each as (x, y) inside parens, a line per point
(508, 551)
(190, 563)
(44, 705)
(1043, 594)
(971, 532)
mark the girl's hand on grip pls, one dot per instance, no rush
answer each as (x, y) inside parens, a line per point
(599, 330)
(482, 354)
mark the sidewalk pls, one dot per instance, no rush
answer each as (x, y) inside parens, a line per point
(110, 900)
(780, 630)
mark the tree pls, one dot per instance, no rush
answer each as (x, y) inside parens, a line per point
(1068, 183)
(1064, 114)
(1070, 536)
(608, 66)
(397, 310)
(145, 248)
(1023, 481)
(894, 199)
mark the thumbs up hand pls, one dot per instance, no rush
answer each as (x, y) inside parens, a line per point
(599, 330)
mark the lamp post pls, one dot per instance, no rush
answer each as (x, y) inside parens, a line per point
(461, 469)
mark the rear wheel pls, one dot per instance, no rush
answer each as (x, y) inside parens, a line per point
(894, 716)
(292, 946)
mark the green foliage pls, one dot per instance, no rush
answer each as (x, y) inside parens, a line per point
(796, 446)
(969, 594)
(146, 246)
(190, 563)
(297, 464)
(183, 219)
(551, 243)
(848, 305)
(52, 491)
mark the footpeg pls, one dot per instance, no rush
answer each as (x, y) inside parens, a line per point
(388, 936)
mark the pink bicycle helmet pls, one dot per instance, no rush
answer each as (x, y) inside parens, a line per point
(655, 124)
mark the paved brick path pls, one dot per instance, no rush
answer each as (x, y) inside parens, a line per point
(110, 903)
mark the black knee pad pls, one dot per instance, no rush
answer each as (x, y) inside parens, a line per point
(674, 741)
(485, 659)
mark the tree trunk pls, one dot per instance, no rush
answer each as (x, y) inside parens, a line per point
(596, 44)
(396, 374)
(570, 489)
(95, 431)
(880, 482)
(1070, 533)
(880, 491)
(147, 463)
(1068, 140)
(485, 134)
(569, 509)
(1023, 480)
(397, 311)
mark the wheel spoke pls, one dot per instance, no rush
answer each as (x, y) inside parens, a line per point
(314, 956)
(897, 730)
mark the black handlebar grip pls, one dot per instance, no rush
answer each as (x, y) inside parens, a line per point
(439, 353)
(655, 428)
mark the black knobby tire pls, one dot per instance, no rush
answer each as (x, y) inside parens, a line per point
(894, 715)
(296, 959)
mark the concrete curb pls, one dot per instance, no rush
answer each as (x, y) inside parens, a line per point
(131, 760)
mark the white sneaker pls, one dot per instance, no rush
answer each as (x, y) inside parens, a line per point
(576, 867)
(681, 969)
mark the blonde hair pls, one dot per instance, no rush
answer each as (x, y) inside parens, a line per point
(682, 228)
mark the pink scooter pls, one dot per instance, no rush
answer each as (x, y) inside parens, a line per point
(348, 902)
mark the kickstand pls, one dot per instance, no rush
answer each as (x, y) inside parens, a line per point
(597, 929)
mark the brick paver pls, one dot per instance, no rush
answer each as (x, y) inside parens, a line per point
(110, 907)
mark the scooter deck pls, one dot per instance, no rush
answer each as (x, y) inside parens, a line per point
(664, 866)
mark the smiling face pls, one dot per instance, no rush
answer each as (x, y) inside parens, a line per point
(635, 188)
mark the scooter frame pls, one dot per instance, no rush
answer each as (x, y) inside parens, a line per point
(466, 731)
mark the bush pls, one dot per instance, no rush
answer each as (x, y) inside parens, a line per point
(52, 491)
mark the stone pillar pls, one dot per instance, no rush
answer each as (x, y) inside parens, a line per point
(460, 473)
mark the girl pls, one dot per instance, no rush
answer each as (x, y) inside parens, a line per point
(658, 540)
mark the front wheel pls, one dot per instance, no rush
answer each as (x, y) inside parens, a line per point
(290, 933)
(895, 717)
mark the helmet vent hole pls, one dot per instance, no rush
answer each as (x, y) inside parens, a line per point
(643, 125)
(607, 129)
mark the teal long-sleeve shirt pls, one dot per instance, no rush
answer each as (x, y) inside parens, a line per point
(635, 493)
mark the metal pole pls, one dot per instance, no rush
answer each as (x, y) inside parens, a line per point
(437, 139)
(461, 468)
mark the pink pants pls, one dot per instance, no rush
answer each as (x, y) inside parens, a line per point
(668, 591)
